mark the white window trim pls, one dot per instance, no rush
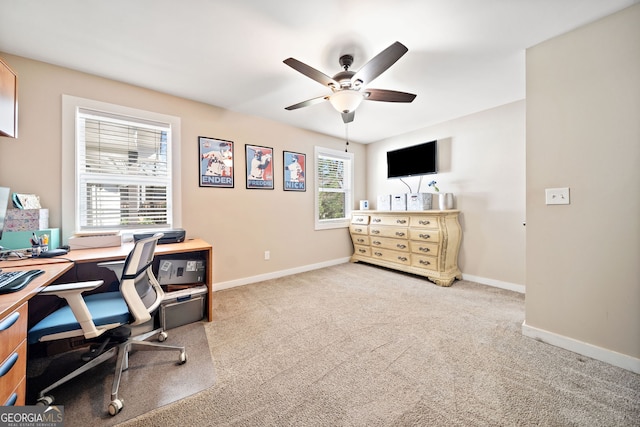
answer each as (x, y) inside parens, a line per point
(70, 106)
(327, 224)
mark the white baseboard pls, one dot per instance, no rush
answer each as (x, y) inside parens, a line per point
(608, 356)
(276, 274)
(495, 283)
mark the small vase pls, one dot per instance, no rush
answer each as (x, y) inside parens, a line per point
(445, 201)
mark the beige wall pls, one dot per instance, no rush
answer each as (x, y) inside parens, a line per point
(481, 161)
(241, 224)
(583, 132)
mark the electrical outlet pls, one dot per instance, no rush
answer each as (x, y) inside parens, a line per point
(557, 196)
(267, 255)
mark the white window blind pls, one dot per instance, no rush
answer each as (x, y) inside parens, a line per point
(333, 187)
(123, 172)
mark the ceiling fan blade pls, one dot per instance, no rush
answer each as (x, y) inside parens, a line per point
(311, 72)
(348, 117)
(307, 103)
(380, 63)
(388, 95)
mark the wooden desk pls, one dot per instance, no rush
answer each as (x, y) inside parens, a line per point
(14, 306)
(83, 256)
(13, 332)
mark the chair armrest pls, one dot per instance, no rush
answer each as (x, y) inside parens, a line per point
(79, 287)
(72, 293)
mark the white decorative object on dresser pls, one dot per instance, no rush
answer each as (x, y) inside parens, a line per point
(425, 243)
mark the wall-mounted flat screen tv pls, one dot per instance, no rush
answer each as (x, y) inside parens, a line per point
(421, 159)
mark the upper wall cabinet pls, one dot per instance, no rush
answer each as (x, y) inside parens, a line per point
(8, 101)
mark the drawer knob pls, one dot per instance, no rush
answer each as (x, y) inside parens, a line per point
(375, 242)
(399, 234)
(402, 258)
(377, 253)
(9, 321)
(360, 240)
(12, 400)
(362, 251)
(425, 250)
(6, 366)
(375, 231)
(359, 219)
(359, 230)
(376, 220)
(424, 222)
(423, 262)
(401, 221)
(425, 236)
(401, 246)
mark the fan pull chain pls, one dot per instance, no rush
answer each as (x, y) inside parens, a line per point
(346, 131)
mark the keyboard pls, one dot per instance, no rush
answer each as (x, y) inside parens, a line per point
(12, 281)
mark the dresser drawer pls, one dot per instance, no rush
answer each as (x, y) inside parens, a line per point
(424, 261)
(401, 220)
(360, 239)
(424, 235)
(387, 231)
(13, 329)
(392, 256)
(13, 370)
(389, 243)
(425, 248)
(361, 250)
(358, 229)
(424, 221)
(360, 219)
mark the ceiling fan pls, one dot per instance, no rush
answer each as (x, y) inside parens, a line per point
(348, 87)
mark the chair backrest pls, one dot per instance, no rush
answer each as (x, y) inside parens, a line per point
(138, 284)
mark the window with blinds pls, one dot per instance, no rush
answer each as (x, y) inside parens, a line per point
(333, 187)
(123, 172)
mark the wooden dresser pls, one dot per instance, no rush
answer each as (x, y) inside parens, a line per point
(425, 243)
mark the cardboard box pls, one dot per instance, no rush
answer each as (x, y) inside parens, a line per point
(419, 201)
(175, 271)
(398, 202)
(95, 241)
(26, 219)
(384, 202)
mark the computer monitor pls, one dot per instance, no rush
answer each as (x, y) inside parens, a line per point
(4, 202)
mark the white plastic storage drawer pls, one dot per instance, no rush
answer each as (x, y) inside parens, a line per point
(182, 307)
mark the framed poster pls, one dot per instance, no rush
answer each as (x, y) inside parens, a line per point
(216, 162)
(259, 163)
(294, 171)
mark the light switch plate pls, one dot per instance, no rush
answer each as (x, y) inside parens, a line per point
(557, 196)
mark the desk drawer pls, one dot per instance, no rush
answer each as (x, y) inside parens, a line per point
(18, 396)
(13, 370)
(13, 330)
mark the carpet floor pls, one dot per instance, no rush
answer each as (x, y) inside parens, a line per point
(356, 345)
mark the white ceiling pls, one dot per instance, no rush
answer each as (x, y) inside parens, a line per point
(464, 55)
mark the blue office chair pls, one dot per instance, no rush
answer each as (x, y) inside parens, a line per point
(112, 315)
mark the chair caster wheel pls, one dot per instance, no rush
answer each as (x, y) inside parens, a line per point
(115, 407)
(183, 358)
(162, 336)
(45, 401)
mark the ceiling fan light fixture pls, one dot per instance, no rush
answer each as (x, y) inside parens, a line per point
(346, 101)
